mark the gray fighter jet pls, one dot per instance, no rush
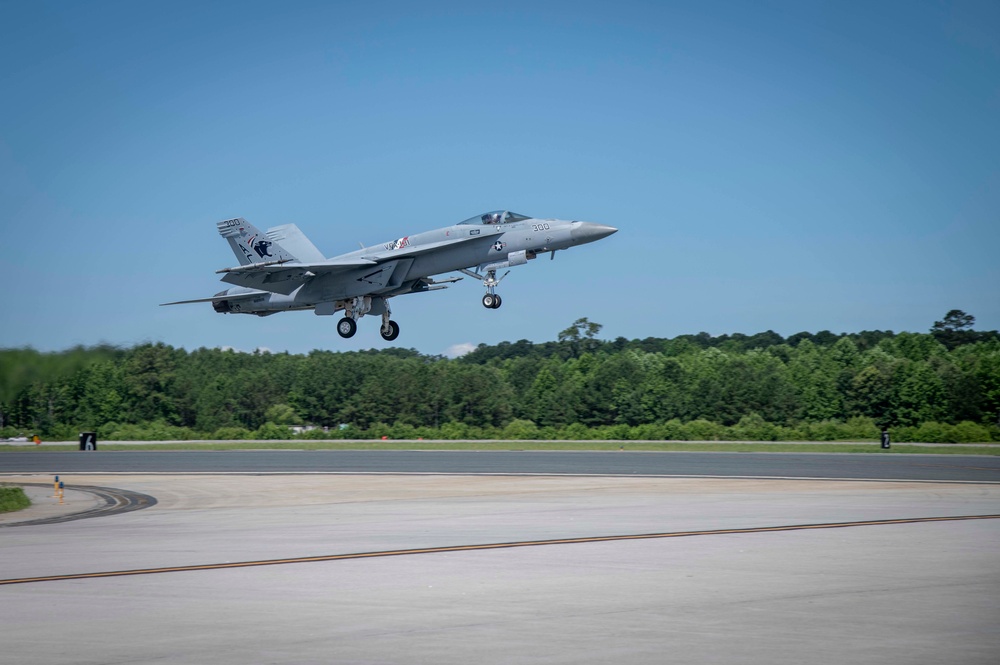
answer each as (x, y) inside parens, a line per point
(282, 270)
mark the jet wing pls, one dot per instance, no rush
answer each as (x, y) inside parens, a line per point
(284, 277)
(415, 250)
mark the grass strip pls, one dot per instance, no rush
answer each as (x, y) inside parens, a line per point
(531, 445)
(13, 498)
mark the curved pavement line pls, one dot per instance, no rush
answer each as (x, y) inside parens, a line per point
(115, 501)
(490, 546)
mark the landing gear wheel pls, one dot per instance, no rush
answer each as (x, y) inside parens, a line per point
(393, 332)
(488, 301)
(497, 301)
(346, 327)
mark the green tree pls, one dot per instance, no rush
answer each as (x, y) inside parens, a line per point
(148, 374)
(580, 336)
(282, 414)
(918, 395)
(955, 329)
(545, 400)
(871, 390)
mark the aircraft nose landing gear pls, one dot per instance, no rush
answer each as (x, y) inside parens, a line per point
(491, 300)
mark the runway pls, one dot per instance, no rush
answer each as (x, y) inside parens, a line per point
(446, 567)
(872, 466)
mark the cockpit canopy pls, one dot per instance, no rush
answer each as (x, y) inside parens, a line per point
(496, 217)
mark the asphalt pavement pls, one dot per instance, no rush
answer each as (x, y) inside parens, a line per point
(870, 466)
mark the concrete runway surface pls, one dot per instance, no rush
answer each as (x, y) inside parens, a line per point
(911, 592)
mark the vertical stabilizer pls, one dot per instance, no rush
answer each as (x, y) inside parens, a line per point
(296, 242)
(249, 244)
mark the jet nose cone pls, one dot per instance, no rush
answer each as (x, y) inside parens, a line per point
(589, 231)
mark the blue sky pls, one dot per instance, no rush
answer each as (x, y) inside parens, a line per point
(795, 166)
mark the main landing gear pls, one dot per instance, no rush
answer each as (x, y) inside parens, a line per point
(389, 330)
(355, 308)
(347, 327)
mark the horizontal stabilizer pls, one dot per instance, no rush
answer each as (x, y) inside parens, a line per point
(188, 302)
(218, 297)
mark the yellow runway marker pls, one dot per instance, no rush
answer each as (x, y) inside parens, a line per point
(491, 546)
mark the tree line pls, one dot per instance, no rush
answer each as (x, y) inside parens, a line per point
(943, 386)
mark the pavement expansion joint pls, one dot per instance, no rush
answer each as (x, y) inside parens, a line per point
(492, 546)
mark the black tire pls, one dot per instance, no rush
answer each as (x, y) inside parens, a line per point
(346, 327)
(497, 301)
(488, 300)
(393, 331)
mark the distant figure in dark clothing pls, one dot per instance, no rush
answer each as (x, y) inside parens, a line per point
(885, 437)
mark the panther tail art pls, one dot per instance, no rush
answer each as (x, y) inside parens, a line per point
(250, 245)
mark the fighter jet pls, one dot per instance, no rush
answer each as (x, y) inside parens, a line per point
(281, 270)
